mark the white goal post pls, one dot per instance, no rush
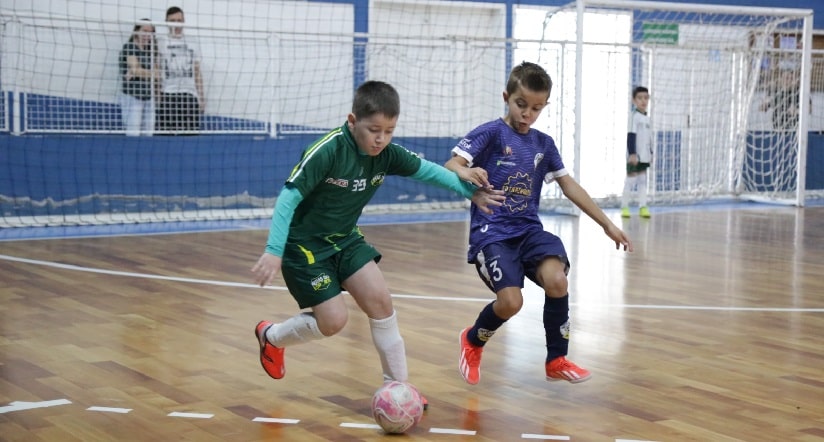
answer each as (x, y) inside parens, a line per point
(730, 95)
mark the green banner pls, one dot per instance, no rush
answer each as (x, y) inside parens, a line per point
(661, 33)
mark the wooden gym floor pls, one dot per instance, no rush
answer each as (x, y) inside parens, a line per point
(712, 330)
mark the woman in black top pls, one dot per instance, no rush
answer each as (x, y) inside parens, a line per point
(140, 77)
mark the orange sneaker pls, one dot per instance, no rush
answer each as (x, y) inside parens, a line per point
(562, 369)
(425, 403)
(470, 362)
(271, 357)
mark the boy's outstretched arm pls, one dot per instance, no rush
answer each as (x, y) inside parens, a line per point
(581, 198)
(485, 198)
(268, 265)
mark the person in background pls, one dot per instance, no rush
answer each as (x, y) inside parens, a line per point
(640, 145)
(182, 102)
(140, 80)
(783, 98)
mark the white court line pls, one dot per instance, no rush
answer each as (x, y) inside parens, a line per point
(191, 415)
(20, 405)
(110, 409)
(406, 296)
(452, 431)
(543, 436)
(356, 425)
(132, 274)
(632, 440)
(275, 420)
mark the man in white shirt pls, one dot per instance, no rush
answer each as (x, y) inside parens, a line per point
(182, 101)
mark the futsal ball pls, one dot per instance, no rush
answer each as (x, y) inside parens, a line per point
(397, 406)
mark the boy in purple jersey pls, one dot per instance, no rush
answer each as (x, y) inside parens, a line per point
(510, 243)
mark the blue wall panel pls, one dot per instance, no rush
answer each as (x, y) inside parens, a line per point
(73, 174)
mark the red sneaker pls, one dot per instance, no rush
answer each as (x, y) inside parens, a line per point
(470, 362)
(271, 357)
(562, 369)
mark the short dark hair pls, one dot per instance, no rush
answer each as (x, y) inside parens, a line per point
(173, 10)
(376, 97)
(638, 90)
(530, 76)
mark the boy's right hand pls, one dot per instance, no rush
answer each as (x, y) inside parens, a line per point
(633, 159)
(266, 268)
(484, 197)
(620, 238)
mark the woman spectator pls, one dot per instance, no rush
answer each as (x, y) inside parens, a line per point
(140, 77)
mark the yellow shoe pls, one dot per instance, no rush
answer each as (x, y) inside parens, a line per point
(625, 212)
(644, 212)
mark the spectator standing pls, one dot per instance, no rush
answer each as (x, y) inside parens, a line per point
(182, 102)
(139, 74)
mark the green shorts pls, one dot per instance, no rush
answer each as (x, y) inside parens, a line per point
(640, 167)
(312, 284)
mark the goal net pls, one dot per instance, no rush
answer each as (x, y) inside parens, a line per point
(276, 75)
(726, 109)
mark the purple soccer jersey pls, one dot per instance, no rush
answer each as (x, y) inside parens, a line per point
(516, 163)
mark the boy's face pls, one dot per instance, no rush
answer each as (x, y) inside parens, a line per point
(523, 108)
(372, 133)
(641, 101)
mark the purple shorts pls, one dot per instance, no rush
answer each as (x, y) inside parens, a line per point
(505, 263)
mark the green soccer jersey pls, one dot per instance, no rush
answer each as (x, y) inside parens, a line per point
(336, 182)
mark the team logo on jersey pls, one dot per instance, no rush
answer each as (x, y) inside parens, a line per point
(465, 144)
(505, 163)
(340, 182)
(518, 189)
(538, 158)
(321, 282)
(377, 180)
(507, 151)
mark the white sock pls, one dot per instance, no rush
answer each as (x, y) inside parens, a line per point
(295, 330)
(642, 188)
(388, 341)
(628, 181)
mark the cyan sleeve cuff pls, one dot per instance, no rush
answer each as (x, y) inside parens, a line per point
(288, 200)
(432, 173)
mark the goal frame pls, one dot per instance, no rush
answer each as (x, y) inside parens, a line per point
(806, 67)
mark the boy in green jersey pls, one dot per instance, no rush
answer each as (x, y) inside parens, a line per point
(316, 243)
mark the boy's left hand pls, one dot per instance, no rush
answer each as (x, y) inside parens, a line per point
(475, 175)
(620, 238)
(484, 197)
